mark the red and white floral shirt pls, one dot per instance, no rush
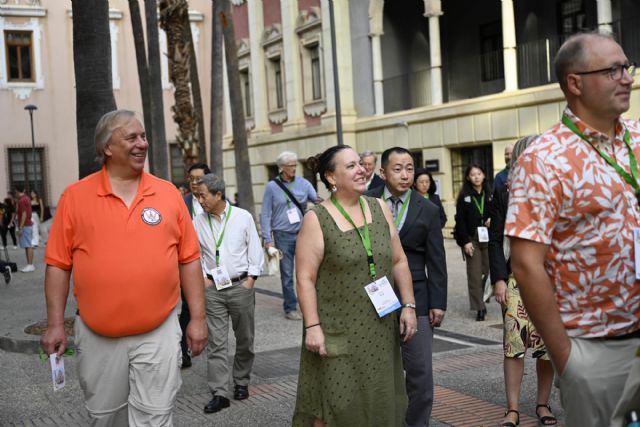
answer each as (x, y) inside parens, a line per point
(565, 195)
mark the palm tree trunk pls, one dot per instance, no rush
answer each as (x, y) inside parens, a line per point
(195, 94)
(158, 147)
(94, 81)
(143, 68)
(217, 98)
(240, 143)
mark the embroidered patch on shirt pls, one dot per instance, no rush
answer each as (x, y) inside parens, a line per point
(151, 216)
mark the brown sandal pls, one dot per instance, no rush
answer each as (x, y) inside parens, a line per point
(509, 423)
(547, 420)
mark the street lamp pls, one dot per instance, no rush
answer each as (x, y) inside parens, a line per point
(30, 108)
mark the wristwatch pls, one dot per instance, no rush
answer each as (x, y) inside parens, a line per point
(409, 305)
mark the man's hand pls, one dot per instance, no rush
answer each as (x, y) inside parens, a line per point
(436, 316)
(468, 249)
(268, 245)
(500, 292)
(208, 283)
(408, 324)
(54, 340)
(197, 335)
(249, 283)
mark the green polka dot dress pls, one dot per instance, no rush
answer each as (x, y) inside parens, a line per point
(360, 382)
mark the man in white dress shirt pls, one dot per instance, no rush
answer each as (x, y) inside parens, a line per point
(232, 260)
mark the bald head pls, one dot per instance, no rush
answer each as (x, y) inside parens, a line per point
(573, 55)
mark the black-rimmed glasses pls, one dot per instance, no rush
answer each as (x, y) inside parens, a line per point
(615, 73)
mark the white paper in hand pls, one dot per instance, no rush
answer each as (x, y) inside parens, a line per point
(57, 371)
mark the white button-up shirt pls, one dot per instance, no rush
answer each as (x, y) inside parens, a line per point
(240, 249)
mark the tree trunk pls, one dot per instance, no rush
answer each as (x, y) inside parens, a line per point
(217, 98)
(172, 20)
(158, 161)
(94, 81)
(195, 93)
(240, 144)
(143, 68)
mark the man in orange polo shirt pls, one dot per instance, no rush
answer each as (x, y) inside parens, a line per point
(128, 240)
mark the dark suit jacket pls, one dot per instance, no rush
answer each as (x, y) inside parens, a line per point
(188, 200)
(421, 238)
(375, 182)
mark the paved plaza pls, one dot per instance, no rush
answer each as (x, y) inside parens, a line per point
(467, 364)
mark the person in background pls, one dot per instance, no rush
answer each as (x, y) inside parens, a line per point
(37, 215)
(500, 179)
(195, 173)
(348, 252)
(573, 220)
(8, 222)
(369, 161)
(25, 229)
(426, 187)
(472, 234)
(283, 207)
(519, 333)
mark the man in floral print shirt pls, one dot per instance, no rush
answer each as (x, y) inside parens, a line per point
(573, 208)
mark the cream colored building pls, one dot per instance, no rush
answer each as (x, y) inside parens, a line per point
(452, 82)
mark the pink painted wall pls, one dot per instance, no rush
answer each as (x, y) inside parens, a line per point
(271, 12)
(241, 21)
(306, 4)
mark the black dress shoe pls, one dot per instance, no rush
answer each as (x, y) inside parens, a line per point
(480, 316)
(186, 362)
(241, 392)
(216, 404)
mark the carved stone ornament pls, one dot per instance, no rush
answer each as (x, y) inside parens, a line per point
(315, 108)
(22, 2)
(237, 2)
(278, 116)
(308, 19)
(272, 34)
(243, 47)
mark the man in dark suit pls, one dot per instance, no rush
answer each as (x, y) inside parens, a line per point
(369, 161)
(418, 222)
(195, 172)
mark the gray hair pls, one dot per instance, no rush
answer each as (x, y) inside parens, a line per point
(368, 153)
(105, 127)
(572, 55)
(213, 183)
(285, 157)
(519, 148)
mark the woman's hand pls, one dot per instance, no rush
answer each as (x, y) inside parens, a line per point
(408, 323)
(487, 223)
(468, 249)
(500, 292)
(314, 341)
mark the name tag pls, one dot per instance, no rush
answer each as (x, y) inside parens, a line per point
(57, 371)
(483, 234)
(636, 247)
(221, 278)
(382, 296)
(294, 215)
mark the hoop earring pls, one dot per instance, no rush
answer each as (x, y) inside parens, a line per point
(333, 189)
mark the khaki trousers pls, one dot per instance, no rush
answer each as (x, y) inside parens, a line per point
(477, 272)
(630, 399)
(130, 380)
(592, 382)
(237, 303)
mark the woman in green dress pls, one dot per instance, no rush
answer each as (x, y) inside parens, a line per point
(350, 365)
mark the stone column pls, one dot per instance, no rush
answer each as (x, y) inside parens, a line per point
(292, 66)
(376, 8)
(604, 15)
(433, 10)
(509, 47)
(258, 72)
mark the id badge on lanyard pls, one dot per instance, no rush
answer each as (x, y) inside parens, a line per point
(294, 215)
(221, 278)
(382, 296)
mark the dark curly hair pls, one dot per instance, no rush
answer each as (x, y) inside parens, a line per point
(325, 162)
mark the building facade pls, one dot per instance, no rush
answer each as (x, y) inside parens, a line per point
(453, 83)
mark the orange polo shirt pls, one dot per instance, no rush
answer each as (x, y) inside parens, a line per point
(124, 260)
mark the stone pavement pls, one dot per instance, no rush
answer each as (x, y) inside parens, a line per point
(467, 364)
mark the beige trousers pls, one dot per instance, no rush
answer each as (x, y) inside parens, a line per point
(133, 380)
(592, 382)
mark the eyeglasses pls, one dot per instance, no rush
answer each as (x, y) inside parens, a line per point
(194, 178)
(615, 73)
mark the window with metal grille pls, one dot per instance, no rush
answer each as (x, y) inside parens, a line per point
(19, 55)
(21, 170)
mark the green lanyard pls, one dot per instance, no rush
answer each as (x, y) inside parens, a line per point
(402, 209)
(632, 179)
(290, 187)
(479, 206)
(219, 241)
(364, 236)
